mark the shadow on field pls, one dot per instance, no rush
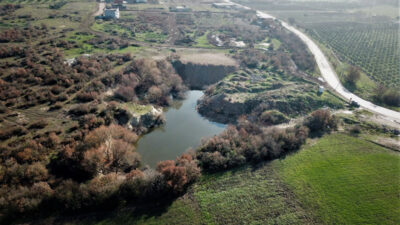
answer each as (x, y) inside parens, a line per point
(124, 215)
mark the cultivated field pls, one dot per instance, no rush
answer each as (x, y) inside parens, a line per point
(372, 47)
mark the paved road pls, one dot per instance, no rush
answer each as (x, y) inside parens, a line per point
(329, 74)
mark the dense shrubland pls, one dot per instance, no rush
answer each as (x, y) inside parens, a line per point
(83, 161)
(149, 80)
(251, 143)
(9, 8)
(45, 71)
(298, 50)
(102, 172)
(248, 143)
(389, 96)
(291, 56)
(21, 35)
(41, 77)
(321, 121)
(104, 150)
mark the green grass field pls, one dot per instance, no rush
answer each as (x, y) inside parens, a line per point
(242, 196)
(338, 179)
(202, 42)
(111, 28)
(345, 180)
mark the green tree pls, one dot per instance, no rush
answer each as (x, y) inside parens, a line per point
(353, 75)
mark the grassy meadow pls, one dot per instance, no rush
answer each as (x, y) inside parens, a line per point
(345, 180)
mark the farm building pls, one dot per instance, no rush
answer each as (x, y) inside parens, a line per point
(111, 13)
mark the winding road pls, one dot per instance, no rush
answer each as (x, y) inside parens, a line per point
(328, 73)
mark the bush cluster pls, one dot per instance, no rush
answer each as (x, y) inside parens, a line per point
(149, 81)
(389, 96)
(21, 35)
(321, 121)
(273, 117)
(250, 142)
(239, 145)
(101, 172)
(298, 50)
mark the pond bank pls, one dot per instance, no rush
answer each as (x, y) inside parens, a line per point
(184, 128)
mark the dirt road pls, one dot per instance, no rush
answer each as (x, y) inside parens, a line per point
(329, 74)
(100, 11)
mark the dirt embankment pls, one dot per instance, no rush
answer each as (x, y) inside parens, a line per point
(140, 123)
(198, 76)
(220, 108)
(200, 70)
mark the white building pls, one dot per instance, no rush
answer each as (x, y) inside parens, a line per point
(111, 13)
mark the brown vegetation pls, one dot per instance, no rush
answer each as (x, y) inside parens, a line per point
(321, 121)
(298, 50)
(180, 173)
(150, 81)
(248, 143)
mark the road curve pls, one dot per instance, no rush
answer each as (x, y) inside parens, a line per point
(328, 73)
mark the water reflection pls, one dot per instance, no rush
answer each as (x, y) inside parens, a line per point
(184, 128)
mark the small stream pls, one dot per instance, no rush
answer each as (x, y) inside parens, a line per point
(184, 128)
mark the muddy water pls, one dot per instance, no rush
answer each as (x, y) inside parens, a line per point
(184, 128)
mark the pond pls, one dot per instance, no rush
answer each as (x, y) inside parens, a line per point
(184, 128)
